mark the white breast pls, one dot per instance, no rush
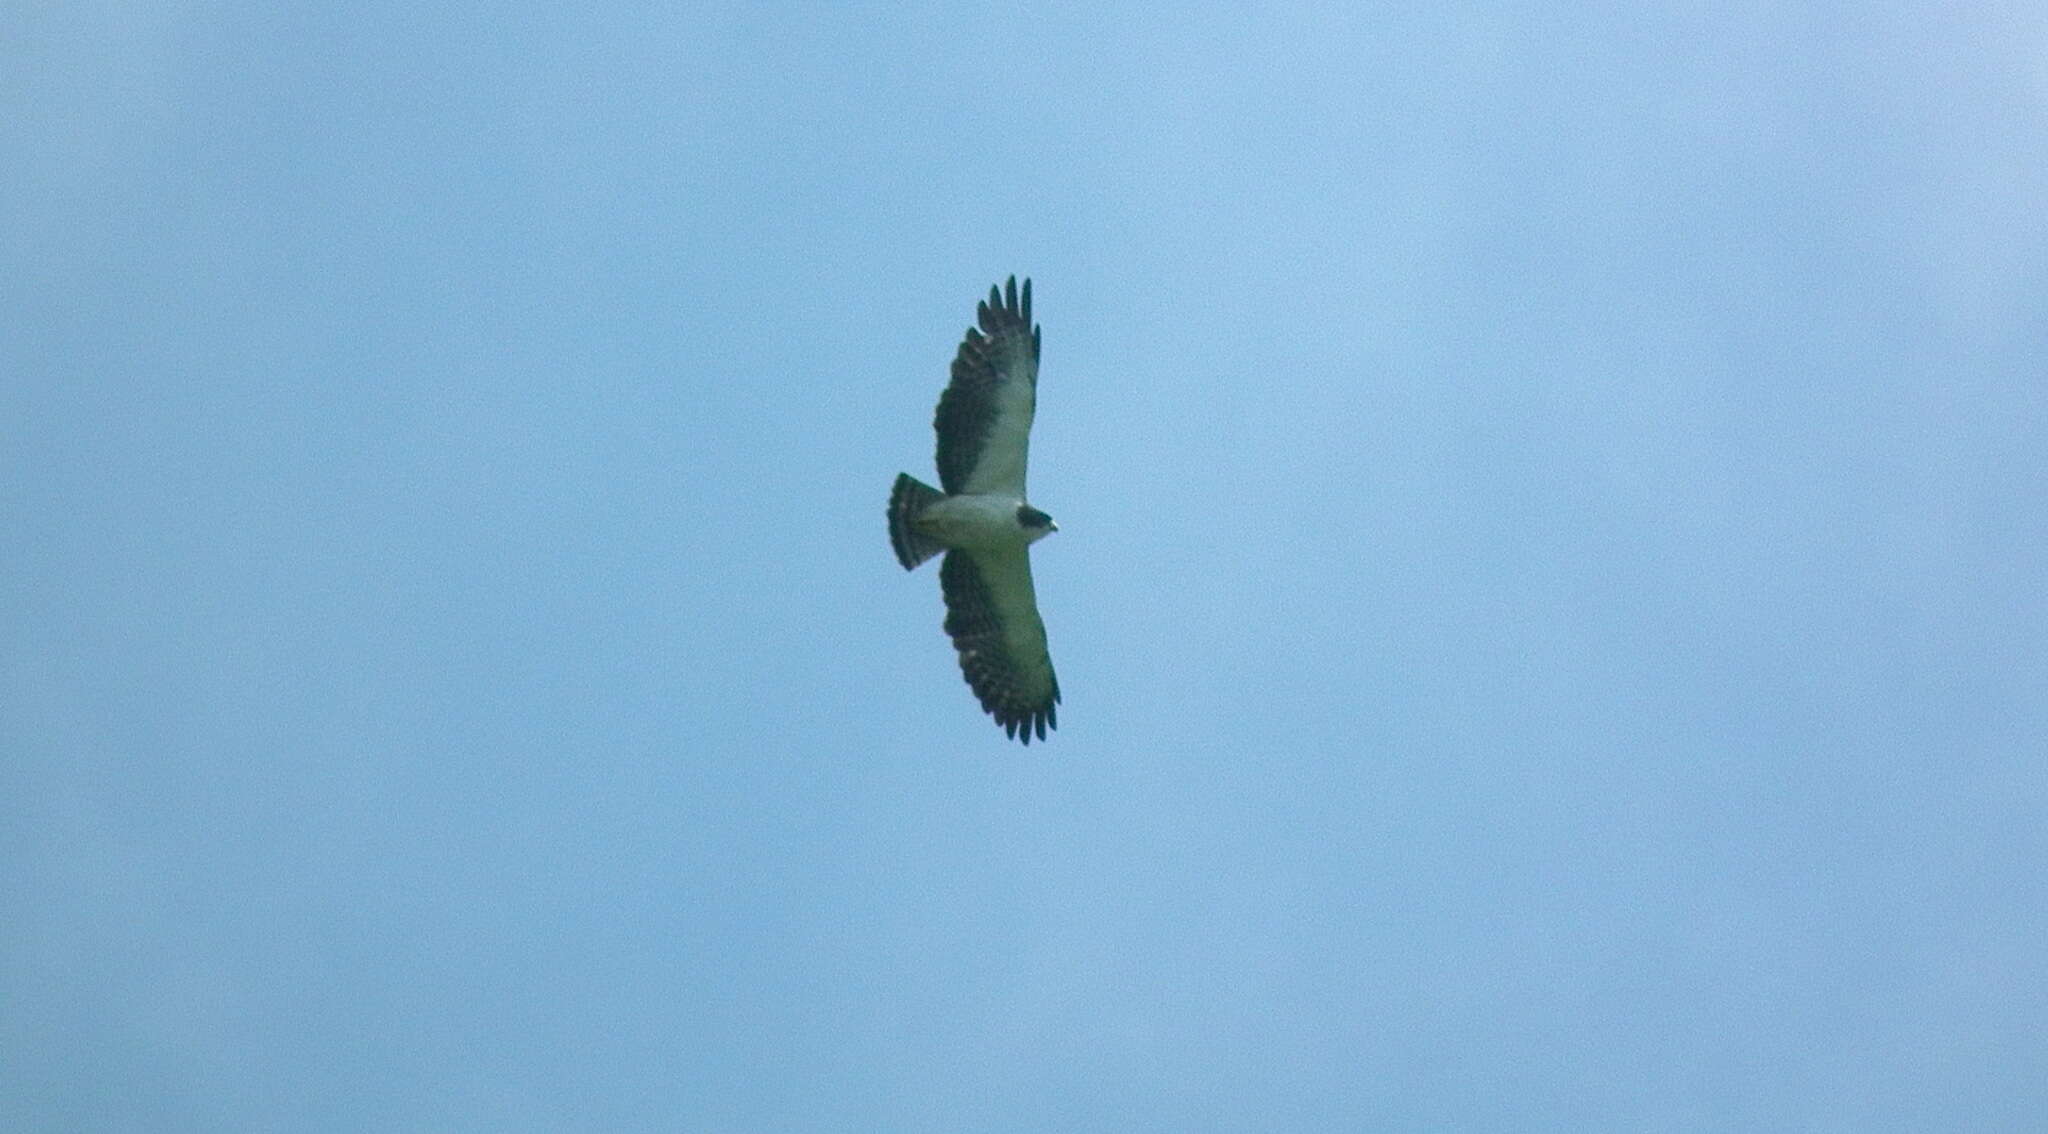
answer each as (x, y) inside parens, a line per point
(974, 522)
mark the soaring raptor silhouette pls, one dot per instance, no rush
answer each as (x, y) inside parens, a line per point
(981, 520)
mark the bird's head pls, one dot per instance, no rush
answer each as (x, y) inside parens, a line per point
(1035, 523)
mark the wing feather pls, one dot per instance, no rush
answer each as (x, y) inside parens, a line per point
(992, 616)
(984, 417)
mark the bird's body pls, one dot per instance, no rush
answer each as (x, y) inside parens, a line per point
(986, 522)
(981, 520)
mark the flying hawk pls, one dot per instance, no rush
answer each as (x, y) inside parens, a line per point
(982, 522)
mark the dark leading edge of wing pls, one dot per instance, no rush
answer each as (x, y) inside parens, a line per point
(995, 626)
(988, 357)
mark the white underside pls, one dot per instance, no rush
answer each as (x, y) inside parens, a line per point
(977, 523)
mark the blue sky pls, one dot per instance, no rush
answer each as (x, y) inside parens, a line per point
(1553, 503)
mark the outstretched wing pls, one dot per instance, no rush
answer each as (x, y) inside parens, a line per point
(984, 417)
(992, 616)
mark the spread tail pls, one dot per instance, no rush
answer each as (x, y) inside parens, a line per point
(907, 500)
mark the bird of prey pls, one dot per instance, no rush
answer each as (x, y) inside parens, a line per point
(981, 519)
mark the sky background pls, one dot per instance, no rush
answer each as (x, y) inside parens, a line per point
(1550, 591)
